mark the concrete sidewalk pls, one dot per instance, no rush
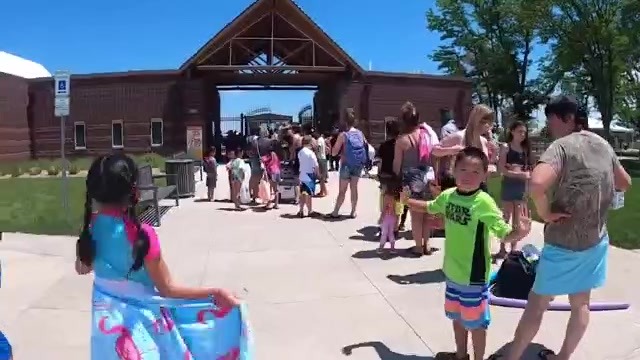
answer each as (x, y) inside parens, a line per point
(313, 287)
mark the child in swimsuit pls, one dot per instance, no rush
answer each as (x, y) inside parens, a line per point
(391, 209)
(118, 249)
(471, 216)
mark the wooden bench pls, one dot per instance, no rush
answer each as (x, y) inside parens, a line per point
(151, 194)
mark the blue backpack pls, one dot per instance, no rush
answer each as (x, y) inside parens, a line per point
(355, 149)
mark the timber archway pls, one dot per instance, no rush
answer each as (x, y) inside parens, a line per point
(273, 44)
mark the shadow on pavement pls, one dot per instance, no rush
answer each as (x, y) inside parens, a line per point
(330, 218)
(367, 233)
(383, 351)
(233, 209)
(422, 277)
(386, 255)
(531, 353)
(289, 216)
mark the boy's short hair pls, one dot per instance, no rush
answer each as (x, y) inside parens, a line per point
(306, 140)
(471, 152)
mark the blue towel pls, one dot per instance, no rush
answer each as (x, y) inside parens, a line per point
(566, 272)
(5, 348)
(144, 326)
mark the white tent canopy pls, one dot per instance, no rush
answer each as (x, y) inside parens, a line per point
(614, 127)
(15, 65)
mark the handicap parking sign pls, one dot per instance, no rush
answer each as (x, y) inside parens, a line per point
(62, 83)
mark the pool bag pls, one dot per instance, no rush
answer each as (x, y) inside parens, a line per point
(515, 277)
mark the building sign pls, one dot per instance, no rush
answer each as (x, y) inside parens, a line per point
(62, 83)
(62, 93)
(194, 141)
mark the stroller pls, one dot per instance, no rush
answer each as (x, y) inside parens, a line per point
(288, 182)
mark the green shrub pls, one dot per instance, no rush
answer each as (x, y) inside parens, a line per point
(73, 169)
(35, 170)
(16, 171)
(53, 170)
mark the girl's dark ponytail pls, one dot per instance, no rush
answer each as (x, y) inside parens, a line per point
(142, 243)
(85, 248)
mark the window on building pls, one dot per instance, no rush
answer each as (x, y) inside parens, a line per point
(117, 134)
(157, 132)
(79, 135)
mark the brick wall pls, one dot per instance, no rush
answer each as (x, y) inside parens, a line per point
(97, 102)
(14, 126)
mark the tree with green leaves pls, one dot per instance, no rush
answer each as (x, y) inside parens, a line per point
(628, 99)
(491, 42)
(589, 41)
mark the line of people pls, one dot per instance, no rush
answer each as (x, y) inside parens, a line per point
(305, 153)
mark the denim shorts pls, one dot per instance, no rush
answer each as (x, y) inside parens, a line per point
(416, 180)
(348, 172)
(512, 190)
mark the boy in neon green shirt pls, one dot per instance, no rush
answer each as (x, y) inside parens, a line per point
(471, 216)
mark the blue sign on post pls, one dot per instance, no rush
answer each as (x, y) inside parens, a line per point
(63, 82)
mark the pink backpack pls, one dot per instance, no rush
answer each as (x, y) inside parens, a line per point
(424, 144)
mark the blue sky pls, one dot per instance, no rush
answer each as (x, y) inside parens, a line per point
(120, 35)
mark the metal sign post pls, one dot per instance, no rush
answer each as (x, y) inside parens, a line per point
(63, 91)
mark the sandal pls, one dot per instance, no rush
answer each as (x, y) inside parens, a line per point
(353, 216)
(300, 214)
(332, 216)
(544, 354)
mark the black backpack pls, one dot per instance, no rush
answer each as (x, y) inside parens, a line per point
(515, 277)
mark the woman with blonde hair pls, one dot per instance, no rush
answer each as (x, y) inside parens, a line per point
(413, 162)
(480, 122)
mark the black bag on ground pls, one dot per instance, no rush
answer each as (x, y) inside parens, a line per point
(515, 277)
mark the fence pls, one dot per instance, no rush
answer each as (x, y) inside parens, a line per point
(232, 123)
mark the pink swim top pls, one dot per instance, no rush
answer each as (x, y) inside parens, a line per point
(271, 163)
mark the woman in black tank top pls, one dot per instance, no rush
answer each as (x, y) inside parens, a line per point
(514, 165)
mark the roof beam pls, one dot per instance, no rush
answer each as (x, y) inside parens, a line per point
(272, 68)
(315, 44)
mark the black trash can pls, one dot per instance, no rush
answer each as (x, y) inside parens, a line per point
(180, 173)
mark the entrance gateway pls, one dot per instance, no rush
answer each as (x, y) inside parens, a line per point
(273, 45)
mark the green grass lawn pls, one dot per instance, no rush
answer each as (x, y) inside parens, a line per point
(623, 225)
(35, 206)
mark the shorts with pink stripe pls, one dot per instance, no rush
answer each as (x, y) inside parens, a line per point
(468, 304)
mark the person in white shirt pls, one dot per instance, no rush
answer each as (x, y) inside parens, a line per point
(322, 162)
(308, 175)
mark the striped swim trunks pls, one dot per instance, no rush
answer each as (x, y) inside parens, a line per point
(468, 304)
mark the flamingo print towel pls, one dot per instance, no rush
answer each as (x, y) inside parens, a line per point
(145, 326)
